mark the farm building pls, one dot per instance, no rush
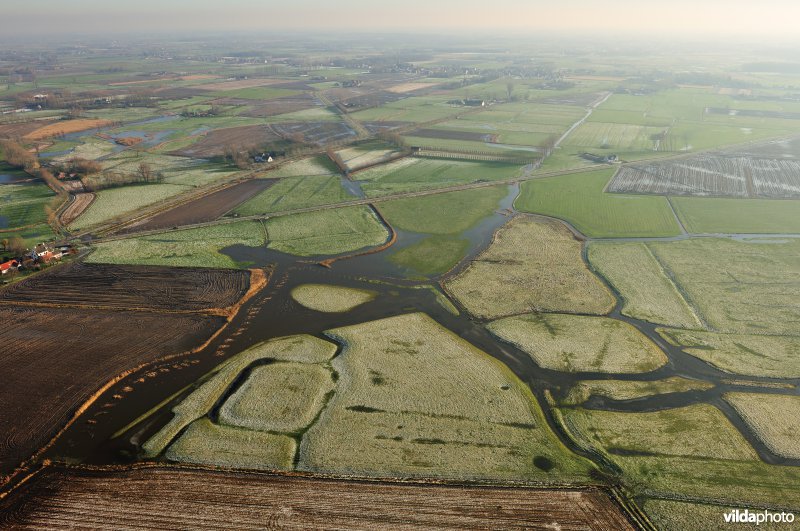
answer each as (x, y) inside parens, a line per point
(5, 267)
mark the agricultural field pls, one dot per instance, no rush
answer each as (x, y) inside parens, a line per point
(671, 432)
(361, 156)
(63, 127)
(576, 343)
(214, 143)
(432, 255)
(206, 208)
(203, 399)
(200, 247)
(66, 367)
(414, 109)
(279, 397)
(444, 218)
(532, 265)
(397, 411)
(329, 298)
(630, 390)
(24, 205)
(447, 213)
(716, 174)
(211, 444)
(290, 193)
(671, 515)
(463, 296)
(95, 498)
(744, 216)
(326, 232)
(773, 418)
(625, 138)
(743, 287)
(691, 451)
(411, 174)
(755, 355)
(120, 287)
(115, 202)
(649, 293)
(320, 165)
(579, 199)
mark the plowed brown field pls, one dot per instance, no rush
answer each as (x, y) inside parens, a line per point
(172, 498)
(132, 287)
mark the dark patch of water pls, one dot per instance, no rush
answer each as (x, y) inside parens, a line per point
(273, 313)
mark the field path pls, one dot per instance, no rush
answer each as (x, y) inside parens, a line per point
(677, 217)
(580, 122)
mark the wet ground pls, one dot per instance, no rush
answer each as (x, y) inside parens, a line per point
(100, 437)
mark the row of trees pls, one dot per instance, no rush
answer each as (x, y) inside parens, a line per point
(18, 156)
(144, 174)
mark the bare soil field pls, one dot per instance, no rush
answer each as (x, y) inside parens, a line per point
(213, 144)
(76, 207)
(62, 356)
(132, 287)
(63, 127)
(181, 498)
(207, 208)
(20, 129)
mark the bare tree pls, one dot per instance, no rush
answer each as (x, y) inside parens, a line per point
(16, 245)
(510, 89)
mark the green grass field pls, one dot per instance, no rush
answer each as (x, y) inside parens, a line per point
(412, 174)
(24, 205)
(750, 216)
(737, 286)
(432, 255)
(399, 412)
(692, 451)
(449, 213)
(579, 199)
(187, 248)
(326, 232)
(296, 192)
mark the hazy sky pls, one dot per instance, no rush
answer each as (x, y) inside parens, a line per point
(748, 18)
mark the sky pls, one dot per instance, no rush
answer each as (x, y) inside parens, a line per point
(695, 18)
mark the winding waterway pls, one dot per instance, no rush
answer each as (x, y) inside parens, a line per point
(273, 313)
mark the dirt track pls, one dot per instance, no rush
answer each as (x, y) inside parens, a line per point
(80, 202)
(183, 498)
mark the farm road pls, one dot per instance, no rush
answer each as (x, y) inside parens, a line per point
(577, 124)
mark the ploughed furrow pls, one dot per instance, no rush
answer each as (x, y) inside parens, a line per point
(180, 498)
(140, 287)
(57, 358)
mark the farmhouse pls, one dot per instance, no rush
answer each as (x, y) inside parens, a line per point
(5, 267)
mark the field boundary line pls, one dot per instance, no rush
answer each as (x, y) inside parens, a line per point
(684, 295)
(675, 213)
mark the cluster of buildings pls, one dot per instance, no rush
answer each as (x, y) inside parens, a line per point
(41, 254)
